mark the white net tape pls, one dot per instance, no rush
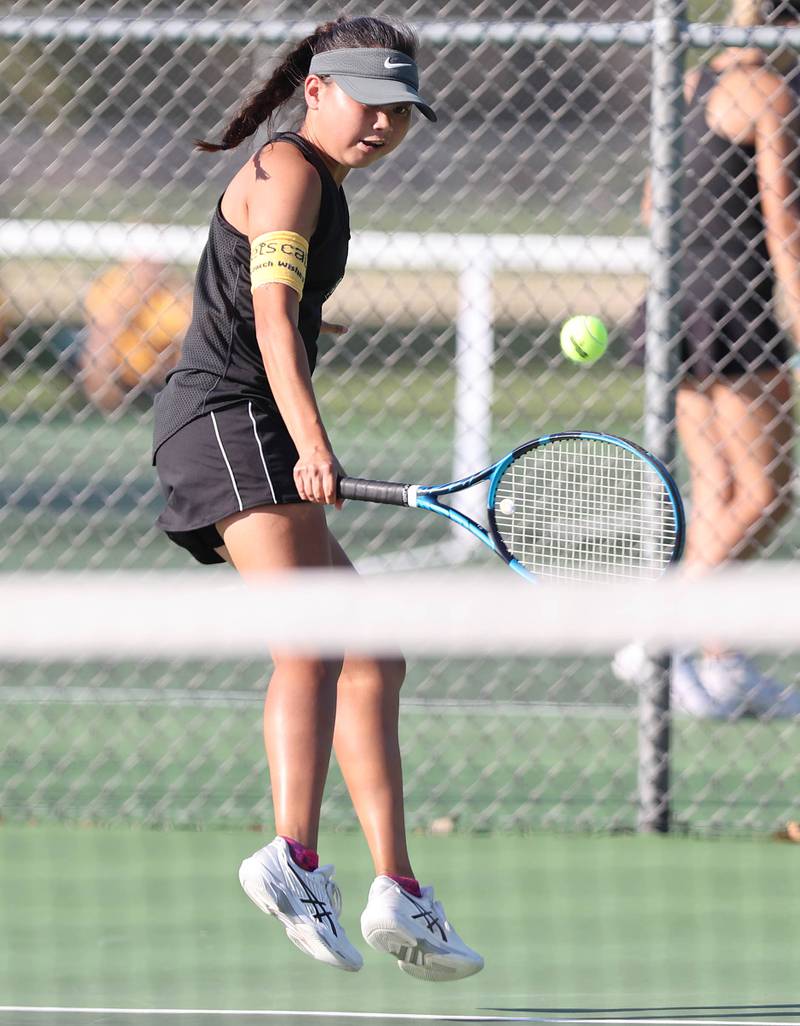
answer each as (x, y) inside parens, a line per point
(147, 617)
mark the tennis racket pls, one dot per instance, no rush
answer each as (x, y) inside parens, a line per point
(574, 506)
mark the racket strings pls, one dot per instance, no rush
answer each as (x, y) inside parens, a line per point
(578, 509)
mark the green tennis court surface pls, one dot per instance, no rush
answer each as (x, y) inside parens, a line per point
(622, 929)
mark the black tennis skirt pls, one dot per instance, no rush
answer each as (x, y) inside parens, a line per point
(721, 337)
(221, 463)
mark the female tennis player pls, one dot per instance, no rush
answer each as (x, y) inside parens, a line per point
(741, 229)
(247, 466)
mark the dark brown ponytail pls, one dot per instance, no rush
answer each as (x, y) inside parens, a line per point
(293, 70)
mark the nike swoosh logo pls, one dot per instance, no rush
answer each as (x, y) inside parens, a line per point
(389, 64)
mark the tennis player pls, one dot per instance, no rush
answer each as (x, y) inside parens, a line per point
(735, 417)
(247, 467)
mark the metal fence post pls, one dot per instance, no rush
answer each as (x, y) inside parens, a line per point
(663, 324)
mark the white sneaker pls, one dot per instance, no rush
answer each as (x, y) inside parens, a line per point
(690, 696)
(736, 681)
(416, 932)
(307, 904)
(633, 665)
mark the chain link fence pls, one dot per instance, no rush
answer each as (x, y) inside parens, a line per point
(541, 156)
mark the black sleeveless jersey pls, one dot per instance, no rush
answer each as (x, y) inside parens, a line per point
(721, 218)
(220, 362)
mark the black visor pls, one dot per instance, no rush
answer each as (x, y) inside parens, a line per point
(373, 76)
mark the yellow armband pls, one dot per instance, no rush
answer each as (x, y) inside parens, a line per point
(281, 257)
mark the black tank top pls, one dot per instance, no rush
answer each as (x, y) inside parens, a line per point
(721, 217)
(220, 362)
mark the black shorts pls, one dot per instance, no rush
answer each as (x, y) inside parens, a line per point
(221, 463)
(722, 337)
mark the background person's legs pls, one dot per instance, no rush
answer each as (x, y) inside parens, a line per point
(738, 436)
(756, 427)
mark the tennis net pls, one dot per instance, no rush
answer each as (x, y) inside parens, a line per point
(135, 698)
(132, 784)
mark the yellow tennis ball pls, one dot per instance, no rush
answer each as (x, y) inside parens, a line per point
(583, 339)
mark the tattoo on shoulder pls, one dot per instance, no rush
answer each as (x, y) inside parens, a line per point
(261, 174)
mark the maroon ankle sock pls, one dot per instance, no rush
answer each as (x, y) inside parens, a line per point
(305, 858)
(408, 883)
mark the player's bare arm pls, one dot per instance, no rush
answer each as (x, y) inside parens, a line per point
(283, 196)
(777, 140)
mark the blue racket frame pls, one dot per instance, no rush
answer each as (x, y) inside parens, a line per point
(427, 496)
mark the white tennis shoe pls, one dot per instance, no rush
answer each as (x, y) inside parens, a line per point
(307, 904)
(735, 681)
(416, 932)
(688, 694)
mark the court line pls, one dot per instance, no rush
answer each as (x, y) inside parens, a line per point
(392, 1016)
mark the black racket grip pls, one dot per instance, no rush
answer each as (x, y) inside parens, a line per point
(388, 492)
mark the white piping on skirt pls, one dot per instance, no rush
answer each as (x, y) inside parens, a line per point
(227, 464)
(261, 451)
